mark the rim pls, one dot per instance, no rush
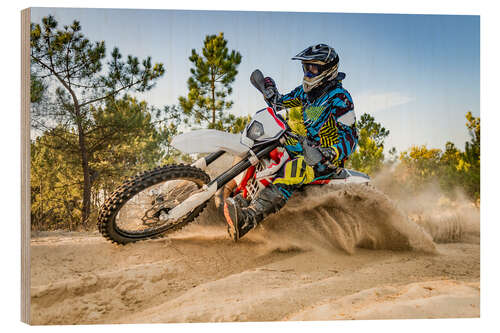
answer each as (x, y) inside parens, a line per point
(145, 212)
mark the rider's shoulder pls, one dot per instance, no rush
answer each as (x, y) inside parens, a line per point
(298, 92)
(338, 91)
(299, 89)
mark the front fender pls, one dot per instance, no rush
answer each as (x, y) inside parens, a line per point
(208, 141)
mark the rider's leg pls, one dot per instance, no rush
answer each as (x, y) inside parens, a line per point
(243, 219)
(292, 175)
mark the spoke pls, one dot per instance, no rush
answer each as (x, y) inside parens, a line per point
(143, 211)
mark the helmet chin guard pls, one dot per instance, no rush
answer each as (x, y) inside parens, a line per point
(309, 83)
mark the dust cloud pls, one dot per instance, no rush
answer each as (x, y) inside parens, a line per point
(363, 216)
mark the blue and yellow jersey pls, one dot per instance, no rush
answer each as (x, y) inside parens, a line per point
(329, 120)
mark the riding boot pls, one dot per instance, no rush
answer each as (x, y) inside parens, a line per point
(241, 201)
(241, 220)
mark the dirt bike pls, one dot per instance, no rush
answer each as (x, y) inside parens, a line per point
(165, 199)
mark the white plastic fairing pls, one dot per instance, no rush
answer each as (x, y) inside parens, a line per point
(273, 127)
(208, 141)
(272, 167)
(350, 177)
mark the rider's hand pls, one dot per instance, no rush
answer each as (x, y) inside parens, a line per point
(269, 82)
(312, 155)
(271, 92)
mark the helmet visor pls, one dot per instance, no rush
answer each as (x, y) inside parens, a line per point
(311, 70)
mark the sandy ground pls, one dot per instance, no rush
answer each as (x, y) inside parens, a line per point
(351, 254)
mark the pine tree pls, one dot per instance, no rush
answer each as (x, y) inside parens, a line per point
(213, 72)
(126, 139)
(369, 156)
(472, 156)
(72, 67)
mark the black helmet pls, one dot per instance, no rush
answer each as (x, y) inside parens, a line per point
(320, 64)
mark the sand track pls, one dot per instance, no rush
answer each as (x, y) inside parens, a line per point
(347, 254)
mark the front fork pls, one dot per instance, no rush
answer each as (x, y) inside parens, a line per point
(220, 181)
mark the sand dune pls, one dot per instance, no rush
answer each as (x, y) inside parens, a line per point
(331, 253)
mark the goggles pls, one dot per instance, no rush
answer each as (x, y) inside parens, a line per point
(311, 70)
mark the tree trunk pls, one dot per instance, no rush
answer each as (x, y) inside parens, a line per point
(86, 171)
(213, 104)
(86, 180)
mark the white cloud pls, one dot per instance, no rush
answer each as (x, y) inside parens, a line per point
(374, 102)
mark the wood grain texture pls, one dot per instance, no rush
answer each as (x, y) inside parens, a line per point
(25, 165)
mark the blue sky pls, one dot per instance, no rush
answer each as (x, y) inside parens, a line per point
(416, 74)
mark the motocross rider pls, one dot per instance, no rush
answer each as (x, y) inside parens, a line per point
(329, 119)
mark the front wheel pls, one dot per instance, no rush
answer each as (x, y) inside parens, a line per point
(137, 209)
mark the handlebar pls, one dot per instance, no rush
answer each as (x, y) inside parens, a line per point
(257, 80)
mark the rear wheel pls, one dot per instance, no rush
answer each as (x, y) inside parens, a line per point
(137, 210)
